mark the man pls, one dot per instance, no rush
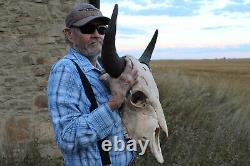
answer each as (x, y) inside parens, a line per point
(77, 130)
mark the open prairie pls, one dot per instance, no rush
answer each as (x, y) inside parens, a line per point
(235, 70)
(207, 108)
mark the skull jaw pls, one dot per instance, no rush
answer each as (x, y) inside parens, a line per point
(155, 147)
(134, 123)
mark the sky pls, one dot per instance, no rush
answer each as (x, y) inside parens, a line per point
(188, 29)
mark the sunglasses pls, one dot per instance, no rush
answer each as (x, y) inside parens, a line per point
(90, 28)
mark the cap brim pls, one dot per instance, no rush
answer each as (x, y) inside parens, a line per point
(99, 19)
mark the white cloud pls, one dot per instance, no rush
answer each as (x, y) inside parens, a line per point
(181, 32)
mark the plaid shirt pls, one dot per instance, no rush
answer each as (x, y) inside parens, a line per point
(76, 129)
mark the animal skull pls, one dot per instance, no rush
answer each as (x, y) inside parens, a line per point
(142, 114)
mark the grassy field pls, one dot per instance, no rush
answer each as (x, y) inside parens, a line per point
(231, 70)
(207, 108)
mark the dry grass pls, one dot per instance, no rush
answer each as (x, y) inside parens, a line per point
(25, 154)
(235, 70)
(206, 104)
(207, 108)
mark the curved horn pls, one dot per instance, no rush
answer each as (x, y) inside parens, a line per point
(112, 63)
(146, 56)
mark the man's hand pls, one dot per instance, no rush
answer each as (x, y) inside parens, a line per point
(120, 86)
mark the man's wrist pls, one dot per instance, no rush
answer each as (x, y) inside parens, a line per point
(114, 103)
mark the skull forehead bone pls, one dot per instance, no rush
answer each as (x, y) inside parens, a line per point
(142, 114)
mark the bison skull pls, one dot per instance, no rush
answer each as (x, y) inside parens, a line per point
(142, 114)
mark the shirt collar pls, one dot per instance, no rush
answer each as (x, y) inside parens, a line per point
(82, 61)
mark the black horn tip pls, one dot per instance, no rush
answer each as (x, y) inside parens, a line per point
(112, 24)
(146, 56)
(115, 12)
(156, 33)
(154, 38)
(116, 7)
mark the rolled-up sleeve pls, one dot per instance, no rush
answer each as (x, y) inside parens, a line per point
(74, 127)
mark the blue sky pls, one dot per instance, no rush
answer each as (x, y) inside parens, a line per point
(188, 29)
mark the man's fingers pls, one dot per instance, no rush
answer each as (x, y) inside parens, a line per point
(129, 65)
(105, 77)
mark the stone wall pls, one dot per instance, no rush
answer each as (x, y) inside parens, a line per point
(31, 40)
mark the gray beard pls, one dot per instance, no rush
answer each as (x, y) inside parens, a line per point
(90, 57)
(86, 51)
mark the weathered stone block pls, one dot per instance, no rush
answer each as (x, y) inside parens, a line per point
(17, 130)
(46, 40)
(39, 71)
(44, 132)
(26, 59)
(10, 81)
(42, 1)
(36, 10)
(41, 101)
(43, 84)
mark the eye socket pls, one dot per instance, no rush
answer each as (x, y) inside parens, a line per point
(139, 99)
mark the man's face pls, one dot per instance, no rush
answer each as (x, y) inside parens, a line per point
(88, 40)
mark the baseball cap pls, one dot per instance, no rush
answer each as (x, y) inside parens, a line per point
(84, 13)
